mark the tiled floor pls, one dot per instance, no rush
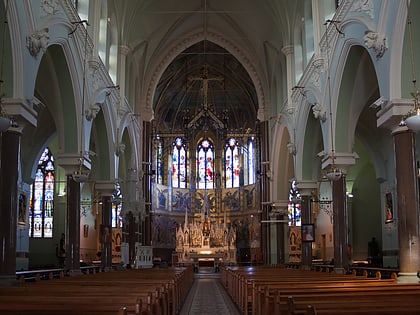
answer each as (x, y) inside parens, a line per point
(207, 296)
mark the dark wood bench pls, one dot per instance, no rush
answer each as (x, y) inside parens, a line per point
(293, 291)
(143, 291)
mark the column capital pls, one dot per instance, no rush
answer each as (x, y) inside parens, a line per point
(23, 112)
(306, 187)
(392, 112)
(288, 50)
(71, 162)
(106, 188)
(342, 160)
(280, 206)
(124, 50)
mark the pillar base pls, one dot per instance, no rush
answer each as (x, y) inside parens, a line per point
(340, 271)
(407, 277)
(8, 281)
(75, 272)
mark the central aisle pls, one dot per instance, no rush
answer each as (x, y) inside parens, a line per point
(207, 296)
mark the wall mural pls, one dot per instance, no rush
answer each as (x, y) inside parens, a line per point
(181, 200)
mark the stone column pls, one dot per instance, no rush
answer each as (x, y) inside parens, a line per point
(317, 25)
(131, 228)
(389, 116)
(106, 189)
(71, 162)
(144, 216)
(288, 51)
(106, 233)
(340, 225)
(9, 169)
(408, 204)
(72, 262)
(306, 190)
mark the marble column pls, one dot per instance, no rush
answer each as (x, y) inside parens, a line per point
(340, 225)
(106, 233)
(72, 262)
(131, 228)
(407, 204)
(9, 170)
(306, 190)
(106, 189)
(70, 162)
(306, 219)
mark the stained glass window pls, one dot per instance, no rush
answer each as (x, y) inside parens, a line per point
(294, 206)
(117, 198)
(251, 161)
(41, 206)
(179, 164)
(232, 163)
(159, 160)
(205, 165)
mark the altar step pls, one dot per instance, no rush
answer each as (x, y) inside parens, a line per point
(206, 273)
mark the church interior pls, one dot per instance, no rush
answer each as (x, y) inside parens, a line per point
(138, 134)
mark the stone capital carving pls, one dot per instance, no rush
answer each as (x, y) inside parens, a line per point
(319, 112)
(378, 42)
(92, 111)
(38, 41)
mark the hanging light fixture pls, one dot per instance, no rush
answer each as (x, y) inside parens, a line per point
(412, 118)
(334, 173)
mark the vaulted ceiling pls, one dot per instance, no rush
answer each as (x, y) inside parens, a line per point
(205, 73)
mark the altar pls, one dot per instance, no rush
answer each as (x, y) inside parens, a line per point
(206, 243)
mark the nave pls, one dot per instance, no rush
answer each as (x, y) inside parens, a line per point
(207, 296)
(248, 290)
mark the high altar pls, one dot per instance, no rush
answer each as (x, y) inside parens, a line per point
(206, 241)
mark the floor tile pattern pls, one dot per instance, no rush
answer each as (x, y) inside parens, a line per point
(207, 296)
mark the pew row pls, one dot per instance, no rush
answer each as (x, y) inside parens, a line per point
(125, 292)
(269, 290)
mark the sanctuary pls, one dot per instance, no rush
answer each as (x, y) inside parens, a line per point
(205, 242)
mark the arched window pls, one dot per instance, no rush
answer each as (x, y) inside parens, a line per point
(41, 209)
(179, 164)
(232, 164)
(117, 198)
(251, 161)
(294, 209)
(205, 161)
(159, 159)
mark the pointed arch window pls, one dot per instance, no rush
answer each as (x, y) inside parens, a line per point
(179, 164)
(159, 159)
(205, 162)
(294, 206)
(117, 200)
(250, 157)
(232, 164)
(41, 207)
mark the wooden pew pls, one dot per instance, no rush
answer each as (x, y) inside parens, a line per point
(145, 291)
(314, 292)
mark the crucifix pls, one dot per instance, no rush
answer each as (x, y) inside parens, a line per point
(205, 79)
